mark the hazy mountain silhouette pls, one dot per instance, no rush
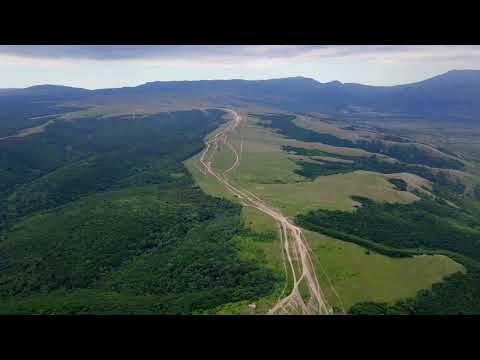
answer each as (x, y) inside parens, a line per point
(453, 95)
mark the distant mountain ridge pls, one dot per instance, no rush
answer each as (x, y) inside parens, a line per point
(454, 94)
(49, 91)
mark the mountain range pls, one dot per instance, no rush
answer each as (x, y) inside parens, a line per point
(452, 95)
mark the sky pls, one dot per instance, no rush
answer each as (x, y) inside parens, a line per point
(105, 66)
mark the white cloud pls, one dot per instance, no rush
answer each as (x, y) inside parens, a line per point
(113, 65)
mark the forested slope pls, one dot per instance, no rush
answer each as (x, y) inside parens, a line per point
(100, 216)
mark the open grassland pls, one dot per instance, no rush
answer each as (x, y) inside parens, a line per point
(330, 192)
(325, 127)
(268, 171)
(360, 276)
(356, 276)
(206, 183)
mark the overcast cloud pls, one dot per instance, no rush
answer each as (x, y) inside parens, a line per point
(95, 66)
(212, 52)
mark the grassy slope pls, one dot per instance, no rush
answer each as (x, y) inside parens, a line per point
(269, 172)
(264, 163)
(358, 276)
(330, 192)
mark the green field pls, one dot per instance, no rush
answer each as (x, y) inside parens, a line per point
(358, 276)
(268, 171)
(329, 192)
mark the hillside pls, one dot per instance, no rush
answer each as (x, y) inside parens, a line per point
(168, 197)
(104, 209)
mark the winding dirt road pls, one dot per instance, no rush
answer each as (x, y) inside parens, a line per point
(306, 296)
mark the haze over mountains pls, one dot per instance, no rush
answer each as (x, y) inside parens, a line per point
(453, 95)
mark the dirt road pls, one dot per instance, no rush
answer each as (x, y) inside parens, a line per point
(305, 296)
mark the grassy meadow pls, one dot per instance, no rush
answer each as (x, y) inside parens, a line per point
(356, 276)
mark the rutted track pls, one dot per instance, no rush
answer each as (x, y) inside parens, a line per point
(309, 300)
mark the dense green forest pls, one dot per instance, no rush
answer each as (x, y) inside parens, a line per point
(23, 112)
(72, 159)
(427, 224)
(100, 216)
(408, 153)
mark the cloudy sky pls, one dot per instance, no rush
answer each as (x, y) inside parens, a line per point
(103, 66)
